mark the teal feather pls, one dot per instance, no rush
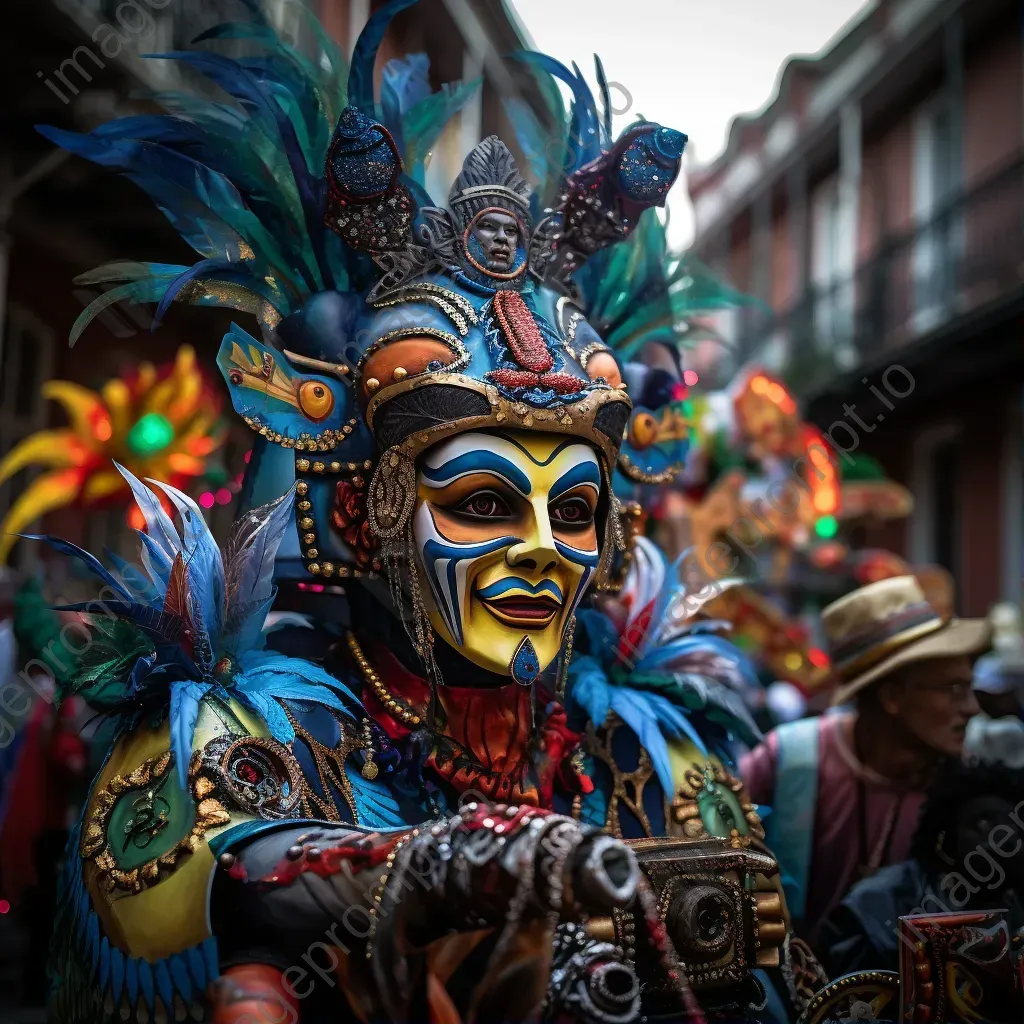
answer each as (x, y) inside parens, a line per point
(544, 155)
(423, 124)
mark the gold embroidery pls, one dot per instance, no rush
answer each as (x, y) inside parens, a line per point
(699, 783)
(627, 787)
(330, 766)
(146, 824)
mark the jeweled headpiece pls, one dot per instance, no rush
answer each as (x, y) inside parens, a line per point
(379, 336)
(489, 178)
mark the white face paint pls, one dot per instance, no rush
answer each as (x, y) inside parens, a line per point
(507, 541)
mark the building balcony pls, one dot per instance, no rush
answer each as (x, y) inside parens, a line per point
(938, 280)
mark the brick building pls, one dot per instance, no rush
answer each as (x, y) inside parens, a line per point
(876, 207)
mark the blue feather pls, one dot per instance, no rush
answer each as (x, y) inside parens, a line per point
(91, 562)
(180, 977)
(117, 959)
(92, 939)
(204, 268)
(606, 101)
(209, 948)
(186, 696)
(256, 94)
(648, 714)
(270, 711)
(104, 973)
(155, 563)
(131, 978)
(391, 112)
(584, 143)
(204, 568)
(163, 984)
(364, 56)
(146, 981)
(375, 807)
(535, 143)
(196, 967)
(136, 581)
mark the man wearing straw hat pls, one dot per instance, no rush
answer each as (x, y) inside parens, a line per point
(845, 789)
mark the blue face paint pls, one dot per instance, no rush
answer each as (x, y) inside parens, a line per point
(478, 461)
(514, 583)
(584, 474)
(502, 560)
(445, 563)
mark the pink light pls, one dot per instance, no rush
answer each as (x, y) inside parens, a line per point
(248, 456)
(690, 378)
(223, 496)
(206, 499)
(4, 906)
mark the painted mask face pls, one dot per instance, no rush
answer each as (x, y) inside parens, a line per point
(494, 241)
(506, 534)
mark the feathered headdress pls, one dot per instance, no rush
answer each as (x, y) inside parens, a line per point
(242, 181)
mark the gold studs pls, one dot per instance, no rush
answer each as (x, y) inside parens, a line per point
(305, 523)
(398, 707)
(303, 506)
(327, 568)
(400, 373)
(312, 553)
(314, 568)
(309, 538)
(335, 467)
(318, 467)
(372, 384)
(302, 465)
(301, 487)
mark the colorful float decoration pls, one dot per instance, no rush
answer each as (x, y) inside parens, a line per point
(161, 423)
(769, 494)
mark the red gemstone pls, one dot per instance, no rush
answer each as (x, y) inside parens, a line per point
(247, 772)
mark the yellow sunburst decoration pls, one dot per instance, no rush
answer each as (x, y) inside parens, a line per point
(160, 423)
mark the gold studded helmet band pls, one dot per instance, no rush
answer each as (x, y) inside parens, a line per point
(414, 413)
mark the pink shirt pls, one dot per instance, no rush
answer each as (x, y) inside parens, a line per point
(890, 813)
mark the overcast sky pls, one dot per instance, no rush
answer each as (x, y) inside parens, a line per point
(689, 64)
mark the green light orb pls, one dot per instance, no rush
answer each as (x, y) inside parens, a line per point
(151, 434)
(826, 527)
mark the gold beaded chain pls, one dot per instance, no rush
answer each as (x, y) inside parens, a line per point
(398, 707)
(382, 886)
(563, 668)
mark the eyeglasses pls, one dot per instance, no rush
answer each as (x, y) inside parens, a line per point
(958, 693)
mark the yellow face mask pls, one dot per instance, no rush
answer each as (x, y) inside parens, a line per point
(507, 541)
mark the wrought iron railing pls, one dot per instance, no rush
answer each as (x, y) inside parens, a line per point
(969, 255)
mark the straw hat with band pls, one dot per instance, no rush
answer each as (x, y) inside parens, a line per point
(888, 624)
